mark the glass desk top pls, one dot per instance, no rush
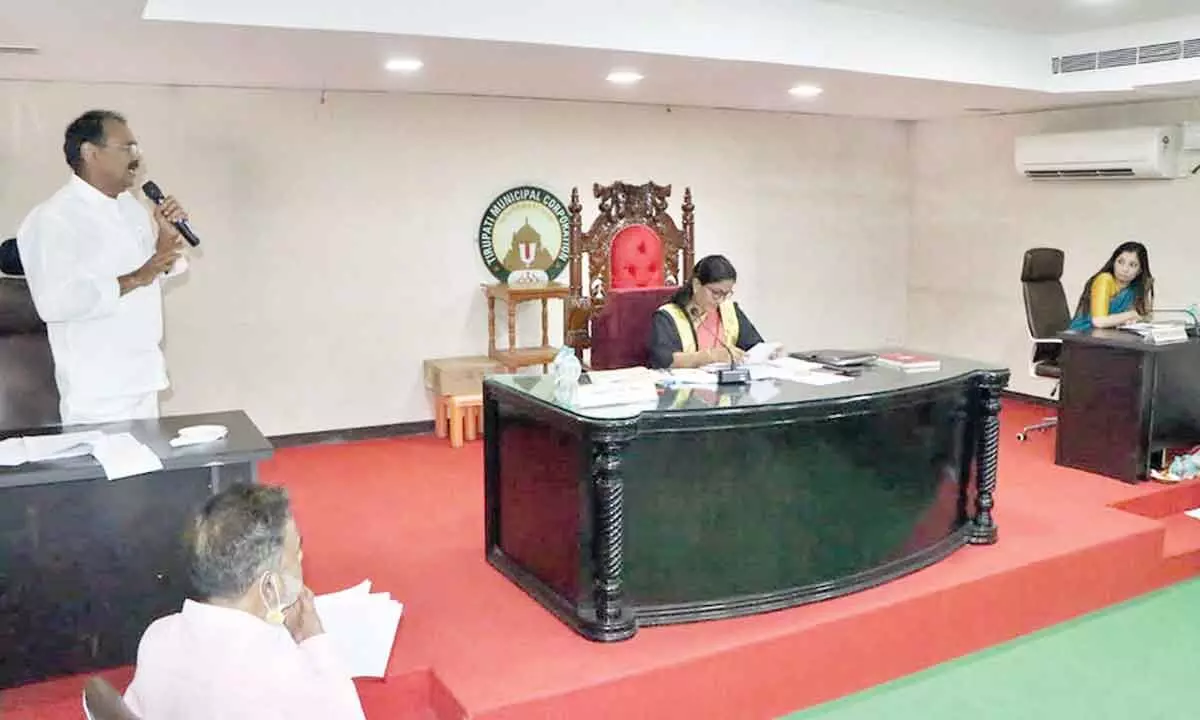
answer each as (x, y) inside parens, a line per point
(873, 380)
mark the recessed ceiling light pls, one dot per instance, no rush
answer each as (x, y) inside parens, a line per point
(624, 77)
(404, 65)
(806, 91)
(14, 49)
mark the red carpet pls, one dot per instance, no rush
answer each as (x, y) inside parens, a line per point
(409, 515)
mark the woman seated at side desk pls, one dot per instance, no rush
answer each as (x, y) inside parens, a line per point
(1122, 292)
(702, 325)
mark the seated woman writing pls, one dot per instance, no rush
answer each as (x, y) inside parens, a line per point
(252, 645)
(1122, 292)
(701, 324)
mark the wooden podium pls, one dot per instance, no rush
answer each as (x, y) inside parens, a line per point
(514, 357)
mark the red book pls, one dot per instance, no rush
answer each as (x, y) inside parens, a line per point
(909, 361)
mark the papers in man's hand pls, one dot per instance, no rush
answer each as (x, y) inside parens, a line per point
(120, 454)
(362, 626)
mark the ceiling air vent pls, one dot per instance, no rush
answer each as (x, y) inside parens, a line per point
(1160, 52)
(1079, 63)
(1118, 58)
(1126, 57)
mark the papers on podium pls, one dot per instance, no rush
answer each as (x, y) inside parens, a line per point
(362, 625)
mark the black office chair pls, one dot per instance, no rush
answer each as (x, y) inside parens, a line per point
(1047, 313)
(10, 258)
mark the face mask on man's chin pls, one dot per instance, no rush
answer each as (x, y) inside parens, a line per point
(287, 591)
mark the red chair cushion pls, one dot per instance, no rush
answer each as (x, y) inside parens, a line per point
(621, 330)
(637, 258)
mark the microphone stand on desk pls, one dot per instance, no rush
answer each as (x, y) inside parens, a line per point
(735, 374)
(1193, 330)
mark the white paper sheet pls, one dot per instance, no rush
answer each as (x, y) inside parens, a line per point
(122, 455)
(691, 376)
(36, 448)
(820, 378)
(362, 626)
(761, 353)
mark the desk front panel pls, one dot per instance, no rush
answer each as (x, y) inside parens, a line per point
(813, 504)
(685, 515)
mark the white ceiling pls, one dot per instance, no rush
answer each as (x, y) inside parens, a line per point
(108, 41)
(1036, 16)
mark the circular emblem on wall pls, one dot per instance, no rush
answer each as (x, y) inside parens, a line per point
(525, 236)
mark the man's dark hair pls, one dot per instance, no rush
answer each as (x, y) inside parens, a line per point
(237, 535)
(88, 127)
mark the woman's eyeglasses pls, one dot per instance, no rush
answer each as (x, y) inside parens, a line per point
(719, 295)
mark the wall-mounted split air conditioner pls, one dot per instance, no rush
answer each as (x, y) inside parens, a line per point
(1140, 153)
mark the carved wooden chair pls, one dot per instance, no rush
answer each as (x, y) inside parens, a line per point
(633, 250)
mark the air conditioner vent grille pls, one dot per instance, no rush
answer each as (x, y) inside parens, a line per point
(1109, 58)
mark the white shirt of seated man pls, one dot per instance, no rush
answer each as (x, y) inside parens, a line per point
(255, 648)
(94, 260)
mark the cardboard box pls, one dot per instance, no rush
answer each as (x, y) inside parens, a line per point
(459, 375)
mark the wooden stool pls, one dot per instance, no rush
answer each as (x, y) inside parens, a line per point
(464, 417)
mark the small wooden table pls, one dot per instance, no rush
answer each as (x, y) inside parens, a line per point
(514, 357)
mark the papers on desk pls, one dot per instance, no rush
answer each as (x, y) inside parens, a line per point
(761, 353)
(690, 377)
(780, 368)
(608, 394)
(120, 454)
(1158, 333)
(36, 448)
(362, 625)
(795, 370)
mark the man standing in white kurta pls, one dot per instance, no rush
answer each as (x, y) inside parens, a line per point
(94, 260)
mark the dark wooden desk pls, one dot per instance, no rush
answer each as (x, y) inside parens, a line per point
(724, 502)
(87, 563)
(1123, 399)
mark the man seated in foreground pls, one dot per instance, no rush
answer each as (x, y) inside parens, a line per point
(253, 645)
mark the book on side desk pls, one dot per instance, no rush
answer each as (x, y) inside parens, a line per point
(909, 362)
(1158, 333)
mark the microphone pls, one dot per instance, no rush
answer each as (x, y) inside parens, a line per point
(734, 375)
(156, 196)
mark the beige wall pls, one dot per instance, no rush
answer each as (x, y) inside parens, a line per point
(974, 217)
(339, 237)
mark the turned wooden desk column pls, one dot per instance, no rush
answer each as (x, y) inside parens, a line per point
(514, 357)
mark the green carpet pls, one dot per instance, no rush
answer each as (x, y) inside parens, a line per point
(1136, 661)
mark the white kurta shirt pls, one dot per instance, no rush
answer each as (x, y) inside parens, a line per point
(209, 662)
(74, 246)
